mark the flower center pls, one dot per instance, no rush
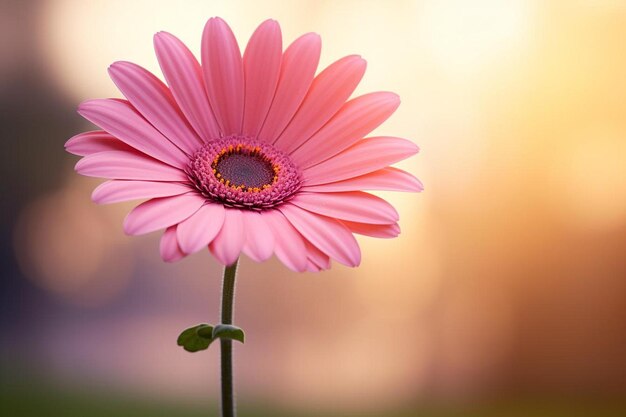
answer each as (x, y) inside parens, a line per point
(239, 171)
(245, 168)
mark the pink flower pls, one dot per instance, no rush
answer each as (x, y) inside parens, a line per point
(252, 155)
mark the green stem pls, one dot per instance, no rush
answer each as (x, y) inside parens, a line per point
(228, 297)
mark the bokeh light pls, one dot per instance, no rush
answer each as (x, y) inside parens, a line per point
(67, 248)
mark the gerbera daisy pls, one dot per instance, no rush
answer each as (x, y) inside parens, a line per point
(252, 154)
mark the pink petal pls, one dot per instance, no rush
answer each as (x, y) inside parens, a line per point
(200, 229)
(155, 102)
(87, 143)
(170, 251)
(289, 245)
(328, 92)
(228, 243)
(296, 74)
(312, 267)
(390, 179)
(184, 76)
(317, 257)
(327, 234)
(115, 191)
(355, 206)
(384, 231)
(223, 75)
(355, 119)
(127, 165)
(121, 120)
(261, 65)
(361, 158)
(259, 244)
(159, 213)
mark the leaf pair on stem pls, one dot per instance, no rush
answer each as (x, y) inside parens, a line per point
(201, 336)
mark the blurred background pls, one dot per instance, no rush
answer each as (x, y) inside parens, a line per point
(504, 295)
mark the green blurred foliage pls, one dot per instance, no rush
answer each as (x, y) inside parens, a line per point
(29, 396)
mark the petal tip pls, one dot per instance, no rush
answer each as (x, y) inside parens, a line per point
(114, 71)
(82, 166)
(70, 142)
(216, 21)
(410, 146)
(169, 260)
(312, 37)
(95, 195)
(354, 263)
(128, 228)
(130, 225)
(84, 106)
(159, 37)
(270, 22)
(394, 98)
(120, 66)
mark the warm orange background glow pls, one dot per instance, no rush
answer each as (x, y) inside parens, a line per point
(510, 272)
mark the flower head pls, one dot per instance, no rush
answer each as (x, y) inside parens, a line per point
(251, 154)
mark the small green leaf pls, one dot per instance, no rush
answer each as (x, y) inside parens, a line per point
(205, 331)
(196, 338)
(228, 331)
